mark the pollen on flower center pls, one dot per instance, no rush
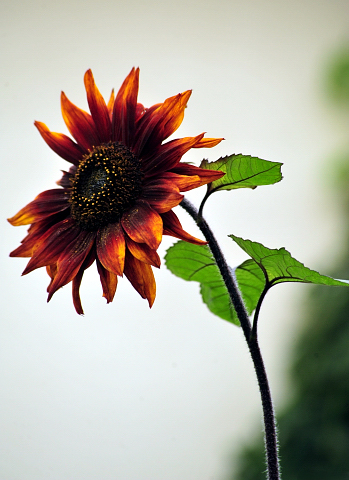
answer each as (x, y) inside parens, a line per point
(107, 182)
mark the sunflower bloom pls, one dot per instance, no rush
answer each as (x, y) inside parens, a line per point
(115, 202)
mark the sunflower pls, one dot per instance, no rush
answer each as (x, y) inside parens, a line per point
(115, 202)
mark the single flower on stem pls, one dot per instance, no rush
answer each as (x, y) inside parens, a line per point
(115, 203)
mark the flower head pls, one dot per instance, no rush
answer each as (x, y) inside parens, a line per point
(115, 202)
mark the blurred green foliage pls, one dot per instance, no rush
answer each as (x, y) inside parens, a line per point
(337, 77)
(314, 427)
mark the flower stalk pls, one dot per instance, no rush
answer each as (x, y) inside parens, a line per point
(271, 443)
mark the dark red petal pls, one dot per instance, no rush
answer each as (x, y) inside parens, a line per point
(61, 144)
(144, 126)
(159, 122)
(25, 249)
(143, 115)
(167, 156)
(111, 105)
(109, 282)
(143, 224)
(110, 244)
(35, 232)
(52, 243)
(141, 277)
(143, 253)
(44, 205)
(77, 281)
(67, 177)
(208, 142)
(173, 227)
(76, 291)
(51, 270)
(206, 176)
(175, 117)
(182, 182)
(139, 111)
(125, 105)
(162, 196)
(79, 123)
(98, 108)
(71, 259)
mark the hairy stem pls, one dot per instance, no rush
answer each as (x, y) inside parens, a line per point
(258, 308)
(251, 339)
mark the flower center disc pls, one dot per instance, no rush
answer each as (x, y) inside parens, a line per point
(107, 182)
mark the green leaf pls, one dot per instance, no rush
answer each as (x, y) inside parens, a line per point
(243, 171)
(251, 282)
(215, 295)
(279, 266)
(266, 268)
(196, 263)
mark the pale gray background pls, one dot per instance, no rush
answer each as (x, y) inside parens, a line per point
(126, 393)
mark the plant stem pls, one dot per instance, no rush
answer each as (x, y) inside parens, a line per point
(256, 313)
(252, 342)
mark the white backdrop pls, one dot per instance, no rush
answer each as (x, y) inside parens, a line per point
(128, 393)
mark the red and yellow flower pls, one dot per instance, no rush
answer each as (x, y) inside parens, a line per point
(115, 202)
